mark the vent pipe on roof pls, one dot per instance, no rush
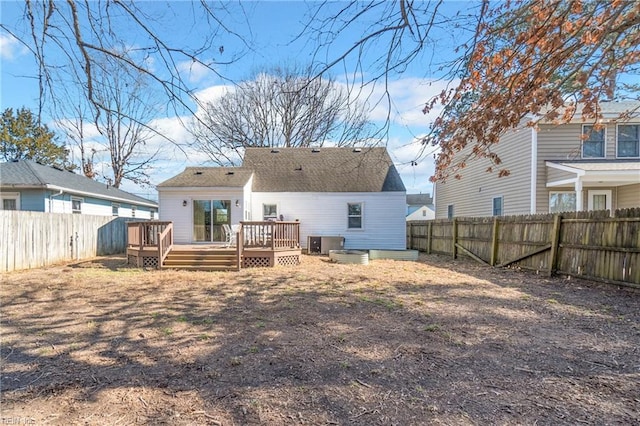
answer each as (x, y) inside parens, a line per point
(275, 151)
(357, 149)
(315, 150)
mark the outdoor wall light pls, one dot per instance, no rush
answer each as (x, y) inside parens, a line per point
(237, 203)
(184, 203)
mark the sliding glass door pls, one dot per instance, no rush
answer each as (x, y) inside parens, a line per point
(208, 218)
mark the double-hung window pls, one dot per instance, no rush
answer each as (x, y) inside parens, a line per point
(76, 205)
(562, 202)
(269, 212)
(497, 206)
(115, 209)
(628, 141)
(354, 215)
(593, 141)
(10, 201)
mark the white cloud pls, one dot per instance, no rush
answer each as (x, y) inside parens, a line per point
(10, 47)
(195, 71)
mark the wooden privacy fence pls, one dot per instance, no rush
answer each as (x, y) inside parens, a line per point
(590, 245)
(35, 239)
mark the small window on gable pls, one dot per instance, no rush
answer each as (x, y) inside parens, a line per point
(628, 141)
(450, 211)
(269, 212)
(497, 206)
(133, 211)
(424, 212)
(593, 142)
(76, 205)
(115, 209)
(354, 213)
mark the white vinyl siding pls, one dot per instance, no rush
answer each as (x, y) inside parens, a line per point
(473, 194)
(325, 214)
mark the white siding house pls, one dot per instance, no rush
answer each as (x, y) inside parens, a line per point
(344, 192)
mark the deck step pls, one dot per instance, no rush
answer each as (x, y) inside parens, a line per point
(202, 260)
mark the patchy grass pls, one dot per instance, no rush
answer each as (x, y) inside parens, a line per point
(433, 341)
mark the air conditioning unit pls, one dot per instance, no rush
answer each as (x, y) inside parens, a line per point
(322, 244)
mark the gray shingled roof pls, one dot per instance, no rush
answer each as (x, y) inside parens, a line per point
(419, 199)
(322, 170)
(29, 174)
(228, 177)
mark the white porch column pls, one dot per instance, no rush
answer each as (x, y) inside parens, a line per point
(578, 189)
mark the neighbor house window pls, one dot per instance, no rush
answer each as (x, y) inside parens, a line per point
(592, 142)
(354, 213)
(133, 211)
(269, 212)
(562, 202)
(450, 211)
(10, 201)
(76, 205)
(152, 214)
(628, 140)
(115, 209)
(497, 206)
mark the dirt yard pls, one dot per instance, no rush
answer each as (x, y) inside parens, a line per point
(389, 343)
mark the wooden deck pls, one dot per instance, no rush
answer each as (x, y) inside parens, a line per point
(259, 244)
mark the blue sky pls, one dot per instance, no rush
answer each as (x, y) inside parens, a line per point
(270, 29)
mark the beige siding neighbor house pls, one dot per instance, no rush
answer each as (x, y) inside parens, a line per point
(554, 168)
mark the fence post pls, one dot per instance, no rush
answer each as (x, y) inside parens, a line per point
(494, 242)
(454, 237)
(555, 241)
(429, 233)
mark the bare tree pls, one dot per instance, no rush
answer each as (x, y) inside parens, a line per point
(281, 108)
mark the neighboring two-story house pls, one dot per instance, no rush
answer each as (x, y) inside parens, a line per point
(554, 168)
(27, 185)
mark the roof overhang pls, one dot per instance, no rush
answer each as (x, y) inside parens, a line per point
(603, 173)
(85, 193)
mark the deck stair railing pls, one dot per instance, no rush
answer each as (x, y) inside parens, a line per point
(146, 234)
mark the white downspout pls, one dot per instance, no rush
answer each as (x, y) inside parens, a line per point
(51, 200)
(534, 171)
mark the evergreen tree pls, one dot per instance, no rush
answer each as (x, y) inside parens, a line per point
(22, 138)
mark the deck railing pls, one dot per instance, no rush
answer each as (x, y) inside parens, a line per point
(146, 234)
(268, 234)
(165, 243)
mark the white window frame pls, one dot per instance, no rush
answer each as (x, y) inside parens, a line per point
(606, 192)
(269, 217)
(604, 141)
(10, 196)
(618, 135)
(133, 211)
(563, 192)
(450, 211)
(81, 200)
(115, 209)
(361, 216)
(493, 206)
